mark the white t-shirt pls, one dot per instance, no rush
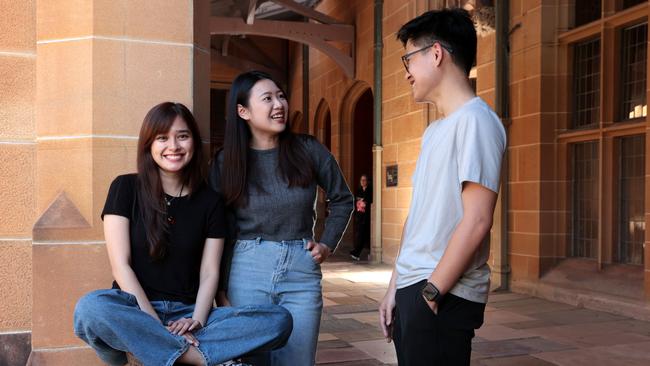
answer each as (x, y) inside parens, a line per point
(466, 146)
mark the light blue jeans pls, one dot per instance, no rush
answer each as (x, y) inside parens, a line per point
(282, 273)
(111, 322)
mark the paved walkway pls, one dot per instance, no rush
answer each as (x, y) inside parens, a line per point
(519, 330)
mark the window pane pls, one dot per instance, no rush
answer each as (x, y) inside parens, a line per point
(585, 200)
(586, 11)
(633, 74)
(631, 183)
(630, 3)
(586, 84)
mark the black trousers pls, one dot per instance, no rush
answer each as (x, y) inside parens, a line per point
(361, 232)
(424, 338)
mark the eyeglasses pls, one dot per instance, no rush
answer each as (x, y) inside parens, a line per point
(405, 58)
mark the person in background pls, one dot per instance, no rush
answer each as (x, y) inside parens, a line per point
(362, 218)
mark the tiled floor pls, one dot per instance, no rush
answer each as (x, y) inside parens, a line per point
(518, 330)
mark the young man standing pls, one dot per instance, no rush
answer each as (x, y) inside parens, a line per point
(439, 287)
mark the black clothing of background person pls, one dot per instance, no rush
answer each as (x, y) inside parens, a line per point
(362, 221)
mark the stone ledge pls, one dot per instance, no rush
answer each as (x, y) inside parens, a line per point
(592, 300)
(65, 356)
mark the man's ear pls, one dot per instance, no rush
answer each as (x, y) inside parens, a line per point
(243, 112)
(438, 53)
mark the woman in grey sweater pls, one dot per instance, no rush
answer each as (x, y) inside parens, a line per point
(269, 178)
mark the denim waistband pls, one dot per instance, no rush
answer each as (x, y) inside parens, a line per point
(260, 240)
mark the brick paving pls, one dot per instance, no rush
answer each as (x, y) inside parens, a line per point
(519, 329)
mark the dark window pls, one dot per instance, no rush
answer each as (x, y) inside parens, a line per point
(586, 84)
(631, 184)
(630, 3)
(217, 117)
(585, 200)
(633, 73)
(586, 11)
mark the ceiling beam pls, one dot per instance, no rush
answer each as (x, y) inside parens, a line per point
(326, 32)
(306, 11)
(312, 34)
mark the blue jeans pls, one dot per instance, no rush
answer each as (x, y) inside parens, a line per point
(111, 322)
(282, 273)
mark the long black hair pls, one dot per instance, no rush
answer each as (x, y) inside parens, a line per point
(295, 165)
(153, 209)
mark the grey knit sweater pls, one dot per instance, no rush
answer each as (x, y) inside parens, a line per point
(276, 212)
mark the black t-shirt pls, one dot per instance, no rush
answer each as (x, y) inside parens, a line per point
(196, 217)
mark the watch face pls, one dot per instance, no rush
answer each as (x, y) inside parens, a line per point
(429, 292)
(427, 295)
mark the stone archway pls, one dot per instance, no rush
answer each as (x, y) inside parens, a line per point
(322, 130)
(356, 137)
(347, 116)
(323, 124)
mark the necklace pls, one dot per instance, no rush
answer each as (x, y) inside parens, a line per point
(170, 219)
(169, 201)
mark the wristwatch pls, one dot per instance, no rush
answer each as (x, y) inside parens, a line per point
(431, 293)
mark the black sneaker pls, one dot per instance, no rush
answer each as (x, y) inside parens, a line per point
(355, 257)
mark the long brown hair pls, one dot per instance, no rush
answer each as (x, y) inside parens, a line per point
(294, 162)
(153, 209)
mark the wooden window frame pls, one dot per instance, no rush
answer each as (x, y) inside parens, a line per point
(608, 128)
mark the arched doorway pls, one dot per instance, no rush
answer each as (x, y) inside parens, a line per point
(362, 138)
(357, 133)
(323, 132)
(323, 123)
(356, 116)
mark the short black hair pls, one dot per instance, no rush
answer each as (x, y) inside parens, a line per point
(453, 27)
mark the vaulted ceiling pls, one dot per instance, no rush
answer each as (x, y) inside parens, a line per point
(241, 29)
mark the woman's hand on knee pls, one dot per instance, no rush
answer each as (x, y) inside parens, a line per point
(183, 325)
